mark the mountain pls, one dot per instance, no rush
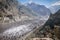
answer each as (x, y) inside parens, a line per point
(55, 7)
(53, 25)
(26, 11)
(16, 20)
(12, 11)
(50, 28)
(14, 14)
(54, 19)
(41, 10)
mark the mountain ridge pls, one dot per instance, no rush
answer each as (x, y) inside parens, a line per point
(39, 9)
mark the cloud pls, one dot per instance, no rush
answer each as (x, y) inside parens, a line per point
(57, 3)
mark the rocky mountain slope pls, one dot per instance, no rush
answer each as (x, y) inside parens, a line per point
(8, 11)
(16, 20)
(54, 24)
(54, 19)
(12, 11)
(50, 29)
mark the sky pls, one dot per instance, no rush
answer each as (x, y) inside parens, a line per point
(47, 3)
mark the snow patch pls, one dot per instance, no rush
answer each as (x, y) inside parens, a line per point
(57, 3)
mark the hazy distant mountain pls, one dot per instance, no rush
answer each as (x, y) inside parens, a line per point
(41, 10)
(26, 11)
(55, 7)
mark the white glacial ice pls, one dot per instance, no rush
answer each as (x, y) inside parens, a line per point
(18, 31)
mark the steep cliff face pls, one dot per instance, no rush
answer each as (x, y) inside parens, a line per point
(9, 11)
(54, 24)
(54, 19)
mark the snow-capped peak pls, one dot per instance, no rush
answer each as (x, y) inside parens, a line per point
(30, 1)
(56, 3)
